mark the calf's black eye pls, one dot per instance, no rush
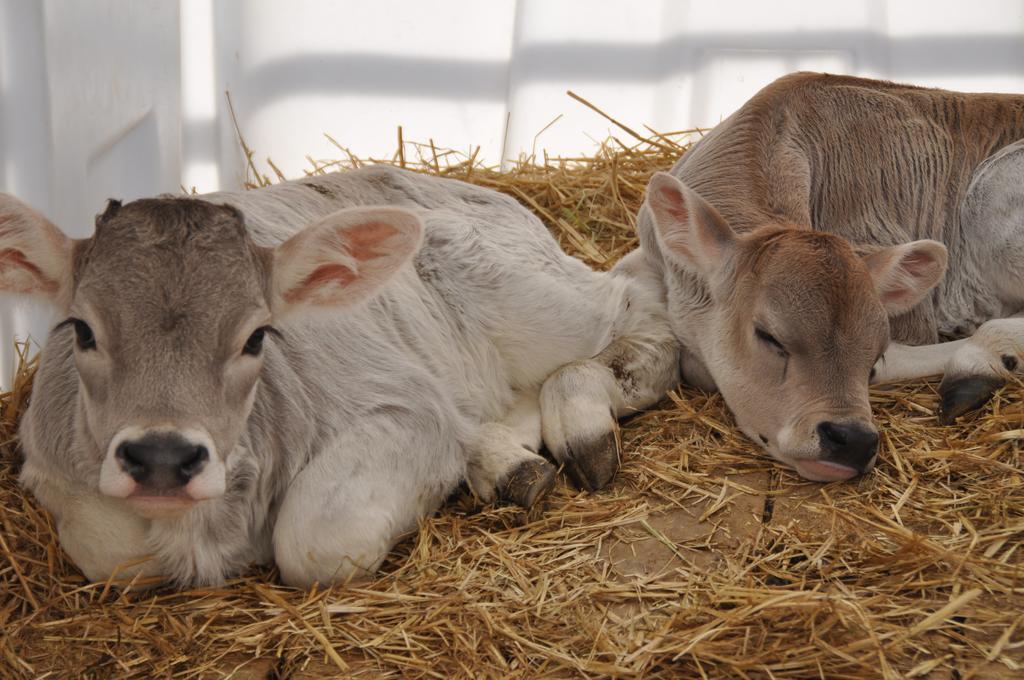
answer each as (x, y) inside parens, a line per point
(254, 344)
(83, 335)
(769, 339)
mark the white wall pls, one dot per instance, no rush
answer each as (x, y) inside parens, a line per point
(125, 98)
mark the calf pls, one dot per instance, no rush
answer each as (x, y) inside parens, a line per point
(802, 245)
(300, 373)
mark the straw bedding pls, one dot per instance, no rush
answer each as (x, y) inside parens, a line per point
(703, 559)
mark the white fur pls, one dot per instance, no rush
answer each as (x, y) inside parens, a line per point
(983, 353)
(906, 362)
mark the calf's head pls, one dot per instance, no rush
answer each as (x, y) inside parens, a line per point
(169, 311)
(791, 326)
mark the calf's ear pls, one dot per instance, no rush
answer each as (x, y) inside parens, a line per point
(690, 231)
(35, 256)
(904, 274)
(344, 258)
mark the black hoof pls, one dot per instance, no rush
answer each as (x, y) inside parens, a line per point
(592, 465)
(960, 395)
(528, 483)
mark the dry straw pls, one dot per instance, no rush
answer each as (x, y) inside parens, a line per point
(703, 559)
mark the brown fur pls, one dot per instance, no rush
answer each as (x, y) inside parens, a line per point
(789, 235)
(875, 162)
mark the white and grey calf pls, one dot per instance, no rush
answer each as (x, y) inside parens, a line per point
(302, 372)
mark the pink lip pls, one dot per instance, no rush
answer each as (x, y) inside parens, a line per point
(824, 471)
(160, 506)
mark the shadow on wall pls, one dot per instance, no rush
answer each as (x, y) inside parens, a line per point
(387, 75)
(373, 74)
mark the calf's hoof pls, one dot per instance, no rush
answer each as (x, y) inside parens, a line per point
(528, 483)
(592, 464)
(966, 393)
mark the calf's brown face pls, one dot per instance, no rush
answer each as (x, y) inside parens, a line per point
(170, 310)
(794, 322)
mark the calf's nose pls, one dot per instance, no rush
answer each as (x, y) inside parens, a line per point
(162, 462)
(851, 444)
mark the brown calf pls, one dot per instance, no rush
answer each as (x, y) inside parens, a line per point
(803, 242)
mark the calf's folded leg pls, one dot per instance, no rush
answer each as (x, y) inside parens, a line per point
(972, 369)
(581, 401)
(103, 538)
(345, 510)
(502, 456)
(987, 359)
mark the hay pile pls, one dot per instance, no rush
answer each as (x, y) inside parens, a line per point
(703, 558)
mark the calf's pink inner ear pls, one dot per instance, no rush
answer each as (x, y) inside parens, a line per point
(336, 274)
(362, 242)
(35, 256)
(364, 239)
(673, 220)
(905, 274)
(690, 228)
(346, 257)
(19, 275)
(673, 202)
